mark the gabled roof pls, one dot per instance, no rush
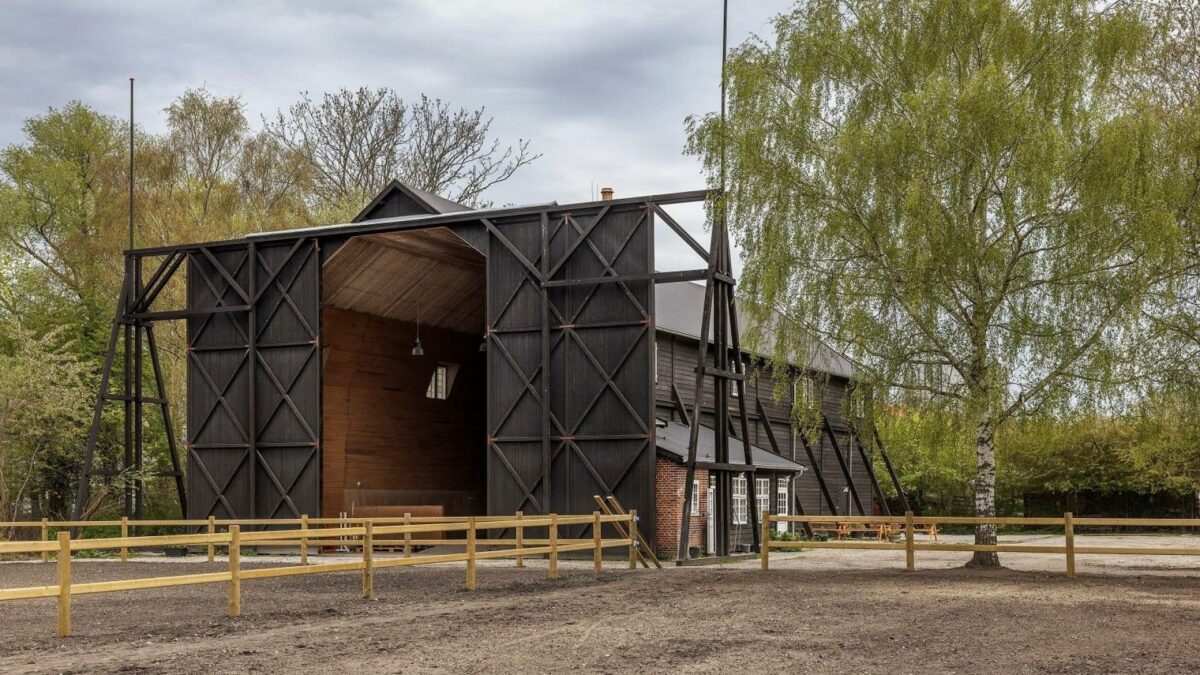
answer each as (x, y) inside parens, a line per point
(433, 204)
(679, 307)
(673, 438)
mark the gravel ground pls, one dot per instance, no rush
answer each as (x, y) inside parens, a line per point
(822, 611)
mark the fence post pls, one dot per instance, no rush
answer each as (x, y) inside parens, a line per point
(597, 543)
(64, 584)
(910, 547)
(1069, 530)
(407, 536)
(765, 541)
(368, 546)
(471, 553)
(45, 537)
(633, 539)
(553, 545)
(303, 539)
(235, 571)
(212, 529)
(520, 539)
(124, 535)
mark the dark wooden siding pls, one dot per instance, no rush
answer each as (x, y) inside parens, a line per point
(385, 442)
(597, 350)
(676, 363)
(220, 476)
(254, 382)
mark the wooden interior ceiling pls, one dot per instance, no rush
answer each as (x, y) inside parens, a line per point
(431, 276)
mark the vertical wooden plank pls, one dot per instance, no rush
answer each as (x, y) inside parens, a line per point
(597, 544)
(124, 534)
(304, 539)
(1069, 529)
(407, 536)
(520, 539)
(544, 372)
(765, 540)
(471, 553)
(64, 584)
(553, 545)
(235, 572)
(910, 547)
(252, 381)
(45, 537)
(212, 529)
(633, 539)
(368, 579)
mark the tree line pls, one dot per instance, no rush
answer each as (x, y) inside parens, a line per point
(212, 174)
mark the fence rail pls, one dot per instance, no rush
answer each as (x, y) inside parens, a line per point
(909, 523)
(350, 532)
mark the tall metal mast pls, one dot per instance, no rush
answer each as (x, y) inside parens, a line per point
(720, 323)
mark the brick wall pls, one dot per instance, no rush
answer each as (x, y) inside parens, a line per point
(669, 478)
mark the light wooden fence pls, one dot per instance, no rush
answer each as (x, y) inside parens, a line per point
(909, 526)
(366, 534)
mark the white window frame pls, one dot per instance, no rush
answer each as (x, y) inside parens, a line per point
(740, 510)
(440, 390)
(781, 499)
(762, 495)
(695, 498)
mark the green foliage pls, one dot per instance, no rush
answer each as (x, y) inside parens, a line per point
(1152, 450)
(967, 198)
(44, 393)
(63, 226)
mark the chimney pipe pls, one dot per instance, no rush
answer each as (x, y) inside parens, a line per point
(606, 194)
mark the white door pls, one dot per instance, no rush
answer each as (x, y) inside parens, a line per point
(710, 540)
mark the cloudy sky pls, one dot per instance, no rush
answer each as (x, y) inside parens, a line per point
(601, 87)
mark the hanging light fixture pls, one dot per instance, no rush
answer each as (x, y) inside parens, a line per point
(417, 349)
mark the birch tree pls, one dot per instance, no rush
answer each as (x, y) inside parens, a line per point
(957, 194)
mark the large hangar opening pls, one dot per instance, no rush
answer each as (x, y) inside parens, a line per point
(403, 387)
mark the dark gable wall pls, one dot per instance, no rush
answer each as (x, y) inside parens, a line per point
(677, 358)
(396, 204)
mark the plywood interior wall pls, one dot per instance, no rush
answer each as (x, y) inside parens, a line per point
(385, 443)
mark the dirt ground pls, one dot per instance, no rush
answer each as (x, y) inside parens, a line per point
(821, 611)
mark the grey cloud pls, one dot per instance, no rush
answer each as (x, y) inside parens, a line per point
(602, 88)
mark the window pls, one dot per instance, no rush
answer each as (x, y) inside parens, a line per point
(802, 391)
(762, 494)
(439, 384)
(858, 406)
(739, 500)
(781, 503)
(695, 498)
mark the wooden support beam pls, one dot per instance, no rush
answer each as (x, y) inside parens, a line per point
(856, 441)
(887, 462)
(618, 509)
(837, 452)
(553, 567)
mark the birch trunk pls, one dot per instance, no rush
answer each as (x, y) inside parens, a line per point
(985, 489)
